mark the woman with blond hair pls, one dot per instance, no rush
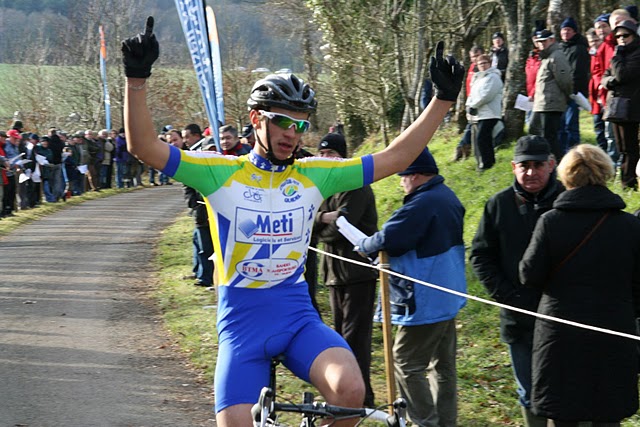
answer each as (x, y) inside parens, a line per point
(585, 257)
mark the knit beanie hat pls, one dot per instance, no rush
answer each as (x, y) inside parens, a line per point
(425, 163)
(334, 141)
(569, 22)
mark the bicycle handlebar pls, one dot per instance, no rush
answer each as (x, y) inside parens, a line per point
(265, 408)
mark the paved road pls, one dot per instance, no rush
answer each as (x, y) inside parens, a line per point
(80, 342)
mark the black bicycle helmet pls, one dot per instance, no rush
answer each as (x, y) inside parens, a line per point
(284, 91)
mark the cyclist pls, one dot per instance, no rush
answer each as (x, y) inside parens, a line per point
(264, 308)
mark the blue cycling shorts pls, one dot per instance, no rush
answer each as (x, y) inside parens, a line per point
(254, 325)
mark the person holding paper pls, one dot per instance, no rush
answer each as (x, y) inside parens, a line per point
(424, 241)
(352, 288)
(576, 49)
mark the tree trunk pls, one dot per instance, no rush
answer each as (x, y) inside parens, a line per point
(559, 10)
(517, 20)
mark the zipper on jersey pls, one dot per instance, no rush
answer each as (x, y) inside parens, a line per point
(270, 228)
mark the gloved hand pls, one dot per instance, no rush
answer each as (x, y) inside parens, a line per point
(140, 52)
(447, 75)
(620, 49)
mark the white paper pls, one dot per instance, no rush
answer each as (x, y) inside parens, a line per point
(353, 234)
(83, 169)
(35, 176)
(23, 177)
(22, 162)
(582, 101)
(523, 103)
(13, 159)
(42, 160)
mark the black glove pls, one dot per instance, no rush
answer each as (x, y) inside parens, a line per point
(620, 49)
(472, 111)
(140, 52)
(447, 75)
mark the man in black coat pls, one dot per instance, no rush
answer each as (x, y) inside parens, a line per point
(501, 239)
(352, 288)
(576, 49)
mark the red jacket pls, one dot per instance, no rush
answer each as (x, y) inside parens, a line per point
(469, 78)
(599, 64)
(531, 70)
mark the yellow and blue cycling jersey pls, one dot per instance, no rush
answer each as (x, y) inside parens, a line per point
(261, 216)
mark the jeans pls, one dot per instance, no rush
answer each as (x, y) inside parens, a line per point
(425, 366)
(569, 133)
(598, 128)
(612, 147)
(520, 352)
(121, 170)
(466, 136)
(57, 182)
(48, 192)
(202, 251)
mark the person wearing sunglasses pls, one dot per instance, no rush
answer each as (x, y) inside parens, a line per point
(262, 210)
(621, 80)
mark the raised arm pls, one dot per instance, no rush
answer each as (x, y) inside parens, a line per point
(447, 76)
(138, 54)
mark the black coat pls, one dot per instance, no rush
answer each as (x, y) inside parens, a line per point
(576, 50)
(622, 77)
(359, 207)
(580, 374)
(503, 234)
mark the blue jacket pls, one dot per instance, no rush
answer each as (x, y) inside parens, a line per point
(424, 241)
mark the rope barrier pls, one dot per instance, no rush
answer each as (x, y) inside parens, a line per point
(482, 300)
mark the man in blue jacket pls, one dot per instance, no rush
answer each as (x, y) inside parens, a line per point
(424, 241)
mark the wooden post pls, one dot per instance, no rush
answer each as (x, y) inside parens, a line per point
(387, 334)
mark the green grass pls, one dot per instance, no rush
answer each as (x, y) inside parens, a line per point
(486, 388)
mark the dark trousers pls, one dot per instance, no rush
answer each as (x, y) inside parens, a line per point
(353, 307)
(555, 423)
(482, 138)
(9, 196)
(547, 124)
(626, 135)
(202, 251)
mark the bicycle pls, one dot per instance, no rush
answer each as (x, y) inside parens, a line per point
(265, 411)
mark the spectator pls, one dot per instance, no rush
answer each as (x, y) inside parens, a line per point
(230, 143)
(192, 137)
(621, 80)
(352, 288)
(123, 174)
(46, 170)
(12, 153)
(426, 93)
(106, 165)
(576, 49)
(499, 54)
(248, 138)
(175, 139)
(554, 85)
(4, 168)
(583, 257)
(424, 241)
(57, 141)
(597, 101)
(500, 241)
(484, 108)
(533, 62)
(95, 156)
(463, 149)
(72, 162)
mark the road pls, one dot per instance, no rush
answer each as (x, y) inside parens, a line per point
(81, 342)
